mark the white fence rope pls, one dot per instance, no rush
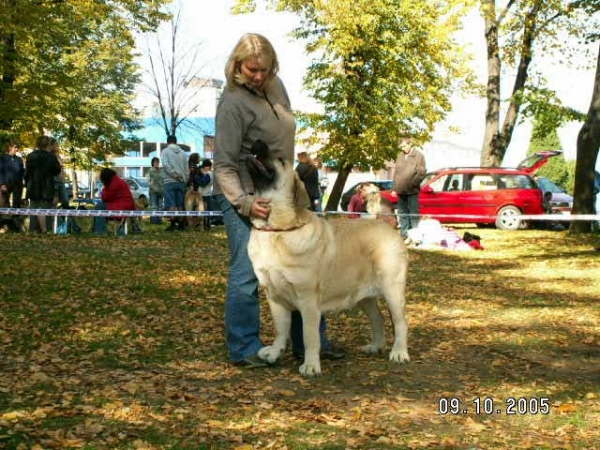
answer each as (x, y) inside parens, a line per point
(106, 213)
(103, 213)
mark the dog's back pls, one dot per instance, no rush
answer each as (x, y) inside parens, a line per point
(344, 259)
(362, 255)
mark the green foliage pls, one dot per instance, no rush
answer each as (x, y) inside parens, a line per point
(557, 168)
(380, 72)
(518, 34)
(71, 70)
(543, 105)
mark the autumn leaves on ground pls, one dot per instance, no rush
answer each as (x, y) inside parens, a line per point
(117, 343)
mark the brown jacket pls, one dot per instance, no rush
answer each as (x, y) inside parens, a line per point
(410, 171)
(243, 116)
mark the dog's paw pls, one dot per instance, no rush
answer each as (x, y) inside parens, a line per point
(399, 356)
(270, 353)
(310, 370)
(372, 349)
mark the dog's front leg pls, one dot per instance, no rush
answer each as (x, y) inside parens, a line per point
(282, 318)
(312, 342)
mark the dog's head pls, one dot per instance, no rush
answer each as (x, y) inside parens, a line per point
(276, 179)
(260, 166)
(141, 203)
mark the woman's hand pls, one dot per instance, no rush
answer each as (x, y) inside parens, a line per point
(260, 208)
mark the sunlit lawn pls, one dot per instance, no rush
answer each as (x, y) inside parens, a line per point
(117, 343)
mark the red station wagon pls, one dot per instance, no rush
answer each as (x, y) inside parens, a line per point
(484, 195)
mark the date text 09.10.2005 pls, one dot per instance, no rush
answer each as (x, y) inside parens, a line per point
(488, 405)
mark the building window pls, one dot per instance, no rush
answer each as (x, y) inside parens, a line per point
(148, 149)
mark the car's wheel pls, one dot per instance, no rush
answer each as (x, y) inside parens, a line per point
(507, 219)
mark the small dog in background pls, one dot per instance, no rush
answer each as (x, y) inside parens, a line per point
(141, 203)
(193, 201)
(378, 207)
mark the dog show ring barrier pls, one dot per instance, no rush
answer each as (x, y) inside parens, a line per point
(56, 213)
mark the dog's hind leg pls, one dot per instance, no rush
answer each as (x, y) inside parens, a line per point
(371, 309)
(393, 291)
(282, 319)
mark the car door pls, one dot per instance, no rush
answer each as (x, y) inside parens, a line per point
(532, 164)
(442, 201)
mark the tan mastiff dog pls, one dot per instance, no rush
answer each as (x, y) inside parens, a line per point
(313, 265)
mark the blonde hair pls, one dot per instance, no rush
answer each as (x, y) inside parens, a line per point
(250, 46)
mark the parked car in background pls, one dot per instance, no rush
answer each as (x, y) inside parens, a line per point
(561, 201)
(484, 195)
(83, 191)
(140, 187)
(384, 186)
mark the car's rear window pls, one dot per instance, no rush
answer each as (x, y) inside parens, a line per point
(514, 181)
(480, 181)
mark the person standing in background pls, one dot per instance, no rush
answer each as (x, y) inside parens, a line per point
(157, 189)
(323, 181)
(41, 168)
(309, 175)
(61, 195)
(12, 172)
(205, 189)
(410, 171)
(175, 175)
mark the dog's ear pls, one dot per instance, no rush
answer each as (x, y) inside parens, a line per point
(260, 167)
(260, 150)
(301, 199)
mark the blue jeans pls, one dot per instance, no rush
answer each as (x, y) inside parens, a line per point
(174, 195)
(242, 309)
(408, 209)
(99, 224)
(156, 204)
(63, 196)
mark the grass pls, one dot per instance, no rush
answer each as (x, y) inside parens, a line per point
(117, 343)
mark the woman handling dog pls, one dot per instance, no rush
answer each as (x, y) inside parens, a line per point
(254, 106)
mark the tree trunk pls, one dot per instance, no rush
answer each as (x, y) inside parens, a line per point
(7, 77)
(338, 187)
(588, 144)
(496, 142)
(492, 114)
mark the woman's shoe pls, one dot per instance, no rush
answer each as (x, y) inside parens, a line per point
(253, 361)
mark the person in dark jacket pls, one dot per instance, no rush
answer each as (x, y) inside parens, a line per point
(308, 173)
(115, 196)
(12, 173)
(40, 169)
